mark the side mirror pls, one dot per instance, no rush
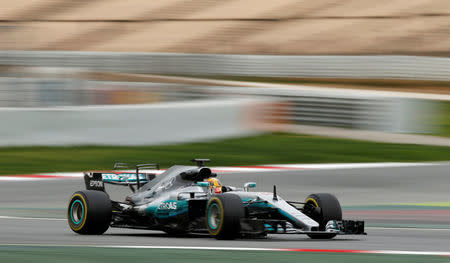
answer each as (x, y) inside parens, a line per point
(249, 185)
(203, 184)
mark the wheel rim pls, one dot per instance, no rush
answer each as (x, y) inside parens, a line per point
(314, 216)
(214, 216)
(312, 201)
(77, 212)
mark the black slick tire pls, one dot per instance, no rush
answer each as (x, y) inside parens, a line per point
(223, 216)
(89, 212)
(330, 209)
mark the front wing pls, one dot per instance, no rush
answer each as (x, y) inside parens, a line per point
(262, 226)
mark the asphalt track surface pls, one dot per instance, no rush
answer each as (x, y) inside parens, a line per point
(43, 204)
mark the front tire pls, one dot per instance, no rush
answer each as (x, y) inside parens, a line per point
(223, 216)
(89, 212)
(322, 208)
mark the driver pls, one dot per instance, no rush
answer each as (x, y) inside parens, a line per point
(214, 184)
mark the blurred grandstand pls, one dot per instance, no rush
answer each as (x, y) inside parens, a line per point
(418, 27)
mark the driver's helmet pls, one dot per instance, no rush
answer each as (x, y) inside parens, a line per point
(215, 185)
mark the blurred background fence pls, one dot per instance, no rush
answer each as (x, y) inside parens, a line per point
(362, 67)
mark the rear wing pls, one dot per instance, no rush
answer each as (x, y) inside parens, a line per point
(96, 180)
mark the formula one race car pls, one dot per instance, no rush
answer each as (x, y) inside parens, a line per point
(191, 199)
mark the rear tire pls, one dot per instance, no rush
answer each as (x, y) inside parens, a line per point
(330, 209)
(89, 212)
(223, 216)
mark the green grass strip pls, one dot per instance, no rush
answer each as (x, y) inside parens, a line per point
(443, 119)
(275, 148)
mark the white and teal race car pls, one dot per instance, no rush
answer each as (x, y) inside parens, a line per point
(190, 199)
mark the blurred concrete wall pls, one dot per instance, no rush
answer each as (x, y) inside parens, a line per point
(127, 124)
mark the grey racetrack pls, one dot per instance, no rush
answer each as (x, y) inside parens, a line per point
(34, 212)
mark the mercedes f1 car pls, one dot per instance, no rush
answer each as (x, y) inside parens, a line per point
(191, 199)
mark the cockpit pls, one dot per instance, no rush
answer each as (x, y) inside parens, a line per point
(176, 177)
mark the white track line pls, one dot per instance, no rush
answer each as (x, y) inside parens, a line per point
(32, 218)
(424, 253)
(407, 228)
(17, 178)
(304, 250)
(191, 248)
(352, 165)
(391, 252)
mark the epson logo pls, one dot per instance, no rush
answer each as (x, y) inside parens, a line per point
(94, 183)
